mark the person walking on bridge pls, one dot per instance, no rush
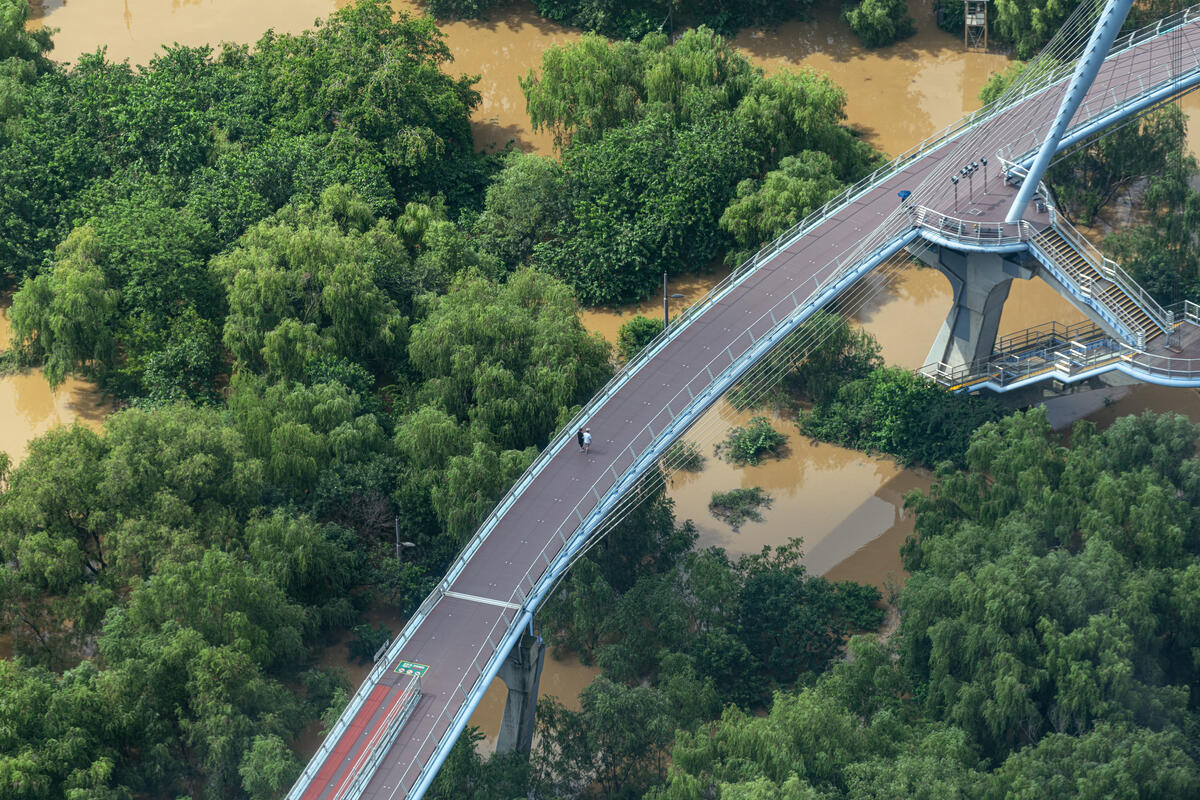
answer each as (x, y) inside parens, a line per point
(579, 438)
(587, 439)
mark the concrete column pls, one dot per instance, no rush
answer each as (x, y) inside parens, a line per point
(521, 673)
(981, 282)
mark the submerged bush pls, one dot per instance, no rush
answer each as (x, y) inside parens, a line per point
(739, 505)
(683, 455)
(750, 443)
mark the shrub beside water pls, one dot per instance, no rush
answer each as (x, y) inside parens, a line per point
(905, 415)
(635, 335)
(879, 22)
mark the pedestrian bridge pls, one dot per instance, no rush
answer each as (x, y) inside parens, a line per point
(400, 725)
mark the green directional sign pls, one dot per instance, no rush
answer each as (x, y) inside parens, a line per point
(411, 668)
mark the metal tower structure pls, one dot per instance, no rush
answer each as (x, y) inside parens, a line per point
(1103, 36)
(975, 25)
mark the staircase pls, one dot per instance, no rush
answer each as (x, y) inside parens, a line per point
(1102, 284)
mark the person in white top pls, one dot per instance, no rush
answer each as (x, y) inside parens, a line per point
(587, 439)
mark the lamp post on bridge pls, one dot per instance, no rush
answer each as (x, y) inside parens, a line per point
(666, 311)
(954, 180)
(983, 160)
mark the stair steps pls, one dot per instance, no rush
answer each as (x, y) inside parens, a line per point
(1102, 290)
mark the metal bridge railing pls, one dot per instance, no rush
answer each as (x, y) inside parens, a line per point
(1083, 288)
(1184, 311)
(1112, 271)
(1041, 349)
(978, 234)
(1048, 334)
(776, 314)
(1158, 89)
(1071, 360)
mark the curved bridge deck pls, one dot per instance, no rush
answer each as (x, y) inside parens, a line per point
(466, 627)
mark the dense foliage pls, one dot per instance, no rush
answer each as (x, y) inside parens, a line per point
(897, 412)
(1027, 25)
(1096, 562)
(633, 19)
(147, 550)
(811, 364)
(739, 505)
(678, 633)
(117, 185)
(751, 443)
(762, 210)
(267, 264)
(683, 454)
(879, 22)
(656, 139)
(1163, 253)
(633, 336)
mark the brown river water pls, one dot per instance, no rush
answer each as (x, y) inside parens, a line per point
(29, 408)
(847, 506)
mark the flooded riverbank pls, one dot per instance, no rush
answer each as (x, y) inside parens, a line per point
(896, 95)
(29, 408)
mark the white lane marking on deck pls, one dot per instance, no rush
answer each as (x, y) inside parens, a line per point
(486, 600)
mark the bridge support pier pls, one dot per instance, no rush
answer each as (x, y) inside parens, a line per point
(981, 282)
(521, 673)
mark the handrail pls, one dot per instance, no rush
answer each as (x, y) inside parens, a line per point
(1038, 348)
(966, 231)
(1112, 271)
(1184, 311)
(1038, 335)
(1115, 316)
(1130, 40)
(1074, 359)
(356, 777)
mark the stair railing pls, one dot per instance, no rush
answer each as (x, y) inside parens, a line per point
(1112, 271)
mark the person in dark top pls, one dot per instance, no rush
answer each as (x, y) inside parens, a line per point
(579, 438)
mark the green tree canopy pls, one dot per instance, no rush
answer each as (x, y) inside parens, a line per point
(656, 138)
(880, 22)
(1074, 565)
(307, 285)
(764, 209)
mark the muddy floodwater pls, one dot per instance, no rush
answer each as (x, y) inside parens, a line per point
(28, 407)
